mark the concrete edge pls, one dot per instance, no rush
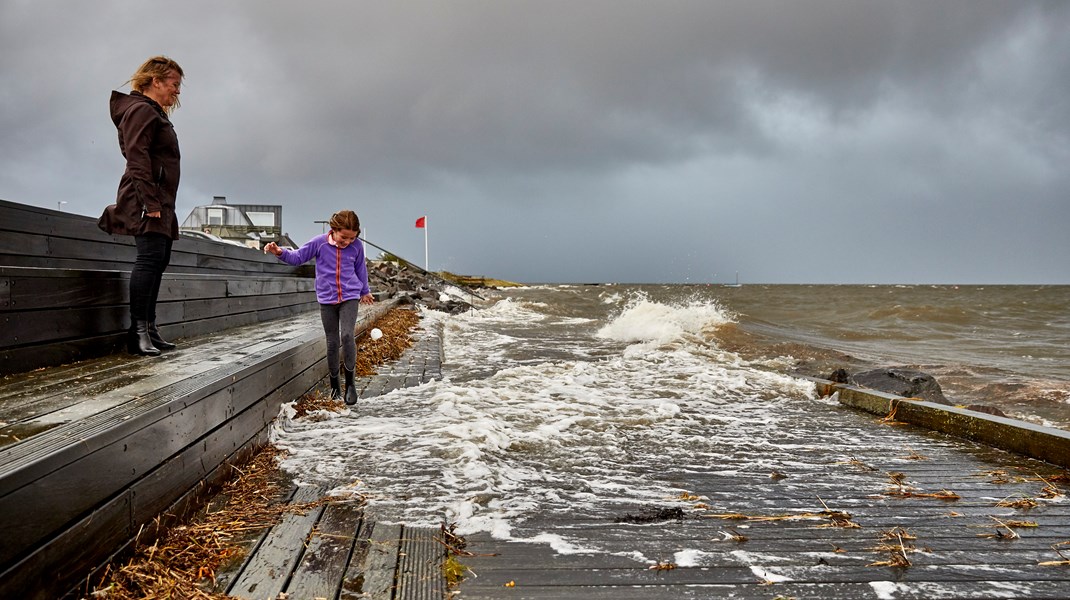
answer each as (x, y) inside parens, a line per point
(1035, 441)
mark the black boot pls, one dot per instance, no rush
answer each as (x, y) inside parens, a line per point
(351, 390)
(336, 391)
(157, 340)
(131, 339)
(143, 343)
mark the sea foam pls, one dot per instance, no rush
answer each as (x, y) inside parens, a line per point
(643, 320)
(544, 414)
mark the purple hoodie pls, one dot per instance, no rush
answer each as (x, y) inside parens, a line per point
(341, 273)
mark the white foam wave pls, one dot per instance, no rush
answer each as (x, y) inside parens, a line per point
(643, 320)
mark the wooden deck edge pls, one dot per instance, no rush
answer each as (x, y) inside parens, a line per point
(1035, 441)
(57, 561)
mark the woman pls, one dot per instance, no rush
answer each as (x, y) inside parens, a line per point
(341, 286)
(145, 203)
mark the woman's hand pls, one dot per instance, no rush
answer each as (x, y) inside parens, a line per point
(273, 248)
(367, 299)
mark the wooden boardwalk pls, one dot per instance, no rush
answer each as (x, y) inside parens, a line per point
(333, 551)
(745, 534)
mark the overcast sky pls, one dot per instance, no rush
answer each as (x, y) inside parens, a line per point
(792, 141)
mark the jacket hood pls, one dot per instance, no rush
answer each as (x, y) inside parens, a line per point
(120, 103)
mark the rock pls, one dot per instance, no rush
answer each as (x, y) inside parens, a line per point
(901, 382)
(389, 280)
(839, 376)
(988, 410)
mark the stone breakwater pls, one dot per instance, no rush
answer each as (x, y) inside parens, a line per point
(390, 280)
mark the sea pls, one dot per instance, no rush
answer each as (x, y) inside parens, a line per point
(555, 398)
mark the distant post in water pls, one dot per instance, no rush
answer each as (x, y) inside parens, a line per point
(421, 223)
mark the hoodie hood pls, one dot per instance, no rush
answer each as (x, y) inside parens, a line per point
(120, 103)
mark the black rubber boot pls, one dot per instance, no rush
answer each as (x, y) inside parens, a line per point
(157, 340)
(351, 390)
(336, 391)
(144, 345)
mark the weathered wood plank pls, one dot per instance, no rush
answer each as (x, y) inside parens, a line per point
(32, 289)
(45, 572)
(371, 571)
(643, 553)
(419, 575)
(24, 358)
(749, 574)
(109, 391)
(15, 244)
(92, 383)
(880, 590)
(320, 572)
(269, 567)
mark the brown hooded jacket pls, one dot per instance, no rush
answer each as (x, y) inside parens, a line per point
(148, 142)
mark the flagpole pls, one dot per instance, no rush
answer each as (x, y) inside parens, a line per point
(427, 265)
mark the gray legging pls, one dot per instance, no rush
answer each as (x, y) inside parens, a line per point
(339, 322)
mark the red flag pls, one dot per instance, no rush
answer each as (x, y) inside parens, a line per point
(421, 222)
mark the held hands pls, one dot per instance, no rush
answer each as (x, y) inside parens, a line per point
(273, 248)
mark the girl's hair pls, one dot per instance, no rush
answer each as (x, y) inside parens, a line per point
(345, 219)
(157, 67)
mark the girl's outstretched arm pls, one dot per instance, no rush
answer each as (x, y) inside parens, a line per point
(295, 257)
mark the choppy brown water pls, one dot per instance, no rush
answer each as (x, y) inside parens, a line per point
(1006, 346)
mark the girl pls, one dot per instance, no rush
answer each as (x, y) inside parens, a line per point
(341, 286)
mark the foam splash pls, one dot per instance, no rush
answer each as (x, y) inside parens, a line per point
(643, 320)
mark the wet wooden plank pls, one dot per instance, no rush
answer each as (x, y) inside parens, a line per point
(644, 552)
(370, 574)
(320, 572)
(87, 380)
(45, 572)
(419, 364)
(110, 392)
(879, 590)
(750, 574)
(268, 569)
(419, 575)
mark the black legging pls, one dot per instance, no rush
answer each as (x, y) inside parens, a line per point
(153, 256)
(339, 323)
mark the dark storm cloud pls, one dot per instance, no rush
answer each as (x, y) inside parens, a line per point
(661, 141)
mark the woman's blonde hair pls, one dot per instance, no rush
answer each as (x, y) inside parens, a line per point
(157, 67)
(345, 219)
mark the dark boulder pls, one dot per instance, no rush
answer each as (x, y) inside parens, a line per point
(987, 409)
(839, 376)
(901, 382)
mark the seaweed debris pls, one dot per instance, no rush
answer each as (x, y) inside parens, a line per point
(183, 562)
